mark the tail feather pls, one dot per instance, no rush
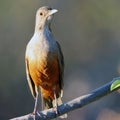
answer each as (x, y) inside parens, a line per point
(47, 103)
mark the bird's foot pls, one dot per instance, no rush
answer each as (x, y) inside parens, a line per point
(35, 113)
(55, 108)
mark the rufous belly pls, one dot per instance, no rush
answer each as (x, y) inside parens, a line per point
(45, 73)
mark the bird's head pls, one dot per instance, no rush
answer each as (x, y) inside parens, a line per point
(44, 16)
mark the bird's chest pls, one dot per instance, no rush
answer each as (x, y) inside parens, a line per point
(41, 45)
(43, 62)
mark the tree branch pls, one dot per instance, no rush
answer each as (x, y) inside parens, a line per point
(73, 104)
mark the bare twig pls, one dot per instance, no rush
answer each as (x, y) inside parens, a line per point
(71, 105)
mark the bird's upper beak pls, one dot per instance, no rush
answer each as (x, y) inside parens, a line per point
(53, 11)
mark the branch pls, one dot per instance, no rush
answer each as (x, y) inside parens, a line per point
(75, 103)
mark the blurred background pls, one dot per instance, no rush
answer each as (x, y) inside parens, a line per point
(89, 33)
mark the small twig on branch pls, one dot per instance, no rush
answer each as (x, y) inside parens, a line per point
(73, 104)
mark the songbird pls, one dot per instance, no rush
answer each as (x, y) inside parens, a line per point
(45, 63)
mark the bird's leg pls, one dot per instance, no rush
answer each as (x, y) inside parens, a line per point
(55, 105)
(37, 102)
(42, 102)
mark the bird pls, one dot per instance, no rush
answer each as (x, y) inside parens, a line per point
(45, 63)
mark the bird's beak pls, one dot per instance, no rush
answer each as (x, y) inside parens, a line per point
(53, 11)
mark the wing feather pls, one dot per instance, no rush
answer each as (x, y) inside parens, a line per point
(29, 79)
(61, 67)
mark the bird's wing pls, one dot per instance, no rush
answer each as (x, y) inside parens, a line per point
(61, 67)
(29, 79)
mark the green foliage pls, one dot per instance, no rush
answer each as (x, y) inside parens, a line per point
(115, 84)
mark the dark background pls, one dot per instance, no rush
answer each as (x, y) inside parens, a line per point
(89, 33)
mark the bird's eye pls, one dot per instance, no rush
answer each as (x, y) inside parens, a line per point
(41, 13)
(50, 8)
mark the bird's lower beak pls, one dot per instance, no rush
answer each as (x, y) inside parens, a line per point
(53, 11)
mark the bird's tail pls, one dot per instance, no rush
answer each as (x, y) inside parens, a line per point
(46, 103)
(49, 103)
